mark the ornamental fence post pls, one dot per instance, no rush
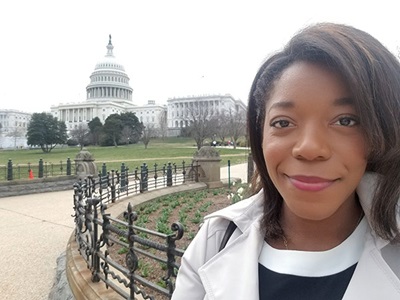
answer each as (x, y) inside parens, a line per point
(40, 175)
(9, 170)
(169, 174)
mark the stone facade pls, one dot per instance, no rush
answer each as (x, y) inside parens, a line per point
(13, 126)
(180, 110)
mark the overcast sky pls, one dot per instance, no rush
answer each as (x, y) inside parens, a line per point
(169, 48)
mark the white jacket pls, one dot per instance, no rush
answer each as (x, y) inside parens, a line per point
(232, 273)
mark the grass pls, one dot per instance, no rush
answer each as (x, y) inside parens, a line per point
(158, 151)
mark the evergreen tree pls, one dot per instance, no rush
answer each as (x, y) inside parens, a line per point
(46, 131)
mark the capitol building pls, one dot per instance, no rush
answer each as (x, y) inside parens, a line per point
(109, 92)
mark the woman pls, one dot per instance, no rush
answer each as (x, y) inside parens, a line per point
(323, 120)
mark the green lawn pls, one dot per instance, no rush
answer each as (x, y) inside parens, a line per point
(174, 150)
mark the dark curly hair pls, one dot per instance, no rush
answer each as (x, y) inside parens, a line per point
(372, 73)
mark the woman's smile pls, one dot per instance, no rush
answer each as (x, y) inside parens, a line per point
(310, 183)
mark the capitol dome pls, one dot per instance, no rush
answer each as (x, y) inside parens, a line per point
(109, 82)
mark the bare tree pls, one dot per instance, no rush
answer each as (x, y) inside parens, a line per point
(237, 125)
(199, 115)
(15, 133)
(223, 126)
(1, 129)
(149, 132)
(163, 126)
(80, 135)
(126, 135)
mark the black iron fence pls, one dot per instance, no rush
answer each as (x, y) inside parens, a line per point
(111, 185)
(96, 231)
(41, 169)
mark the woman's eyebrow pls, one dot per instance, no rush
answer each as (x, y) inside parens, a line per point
(282, 104)
(343, 101)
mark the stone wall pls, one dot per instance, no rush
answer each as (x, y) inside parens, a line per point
(37, 185)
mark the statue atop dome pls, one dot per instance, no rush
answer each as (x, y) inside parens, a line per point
(110, 47)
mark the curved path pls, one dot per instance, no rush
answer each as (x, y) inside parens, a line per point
(34, 231)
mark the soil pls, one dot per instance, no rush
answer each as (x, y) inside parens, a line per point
(189, 209)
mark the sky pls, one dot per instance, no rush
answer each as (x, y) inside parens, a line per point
(169, 48)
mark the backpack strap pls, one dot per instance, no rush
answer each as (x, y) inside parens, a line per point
(229, 231)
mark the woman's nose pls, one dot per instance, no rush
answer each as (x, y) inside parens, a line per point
(312, 144)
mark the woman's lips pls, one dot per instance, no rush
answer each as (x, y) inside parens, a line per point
(310, 183)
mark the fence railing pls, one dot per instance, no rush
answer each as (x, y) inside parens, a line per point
(96, 231)
(41, 169)
(108, 186)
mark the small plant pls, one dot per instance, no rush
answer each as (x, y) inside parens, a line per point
(143, 235)
(144, 269)
(123, 250)
(197, 217)
(123, 239)
(163, 228)
(182, 216)
(238, 195)
(174, 204)
(163, 266)
(191, 235)
(162, 283)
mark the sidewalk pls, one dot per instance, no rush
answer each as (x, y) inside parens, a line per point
(35, 230)
(237, 171)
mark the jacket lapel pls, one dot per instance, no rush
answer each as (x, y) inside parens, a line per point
(373, 278)
(233, 272)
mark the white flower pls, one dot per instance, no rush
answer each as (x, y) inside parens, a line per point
(233, 183)
(240, 190)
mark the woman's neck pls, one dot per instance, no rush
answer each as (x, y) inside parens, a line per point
(318, 235)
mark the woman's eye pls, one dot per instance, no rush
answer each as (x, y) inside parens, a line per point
(347, 121)
(280, 124)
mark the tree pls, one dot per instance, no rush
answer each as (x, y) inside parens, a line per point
(115, 124)
(222, 129)
(130, 120)
(126, 135)
(96, 130)
(112, 130)
(1, 129)
(15, 133)
(149, 132)
(162, 124)
(201, 125)
(80, 134)
(237, 125)
(46, 131)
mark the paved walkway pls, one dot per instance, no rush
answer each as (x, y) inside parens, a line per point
(34, 231)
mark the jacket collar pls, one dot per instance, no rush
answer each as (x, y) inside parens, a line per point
(230, 274)
(242, 213)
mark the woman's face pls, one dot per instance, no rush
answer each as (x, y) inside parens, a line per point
(313, 145)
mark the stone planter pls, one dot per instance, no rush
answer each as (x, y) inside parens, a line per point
(209, 163)
(84, 164)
